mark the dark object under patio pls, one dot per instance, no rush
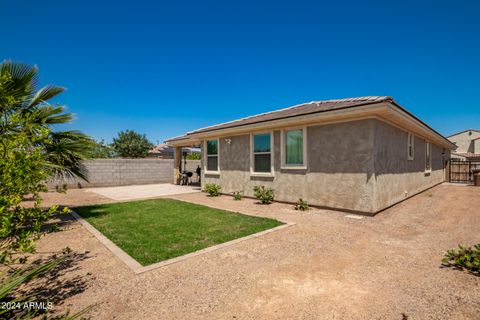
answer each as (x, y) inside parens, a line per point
(186, 178)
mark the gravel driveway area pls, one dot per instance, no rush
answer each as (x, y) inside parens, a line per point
(327, 266)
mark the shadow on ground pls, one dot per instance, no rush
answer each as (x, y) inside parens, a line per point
(54, 285)
(58, 222)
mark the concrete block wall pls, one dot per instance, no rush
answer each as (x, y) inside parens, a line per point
(119, 172)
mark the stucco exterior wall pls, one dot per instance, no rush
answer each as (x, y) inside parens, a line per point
(359, 165)
(396, 177)
(339, 172)
(465, 141)
(476, 145)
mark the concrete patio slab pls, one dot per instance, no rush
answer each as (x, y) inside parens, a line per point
(143, 191)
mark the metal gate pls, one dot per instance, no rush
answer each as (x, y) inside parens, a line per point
(461, 171)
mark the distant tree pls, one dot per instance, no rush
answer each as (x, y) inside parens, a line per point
(131, 144)
(193, 156)
(101, 150)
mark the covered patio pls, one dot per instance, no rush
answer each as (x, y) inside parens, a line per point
(182, 174)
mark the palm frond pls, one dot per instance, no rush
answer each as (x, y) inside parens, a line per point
(22, 74)
(18, 83)
(47, 115)
(16, 279)
(27, 112)
(65, 153)
(44, 94)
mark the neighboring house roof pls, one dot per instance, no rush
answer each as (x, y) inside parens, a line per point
(310, 109)
(455, 134)
(161, 148)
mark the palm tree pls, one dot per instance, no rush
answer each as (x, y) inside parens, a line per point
(25, 110)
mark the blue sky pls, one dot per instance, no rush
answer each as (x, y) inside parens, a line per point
(163, 68)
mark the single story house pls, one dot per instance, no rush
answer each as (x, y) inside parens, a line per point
(467, 143)
(358, 154)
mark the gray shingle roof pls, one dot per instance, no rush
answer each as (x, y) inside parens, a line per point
(298, 110)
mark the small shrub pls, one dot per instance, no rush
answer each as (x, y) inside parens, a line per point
(212, 189)
(301, 205)
(237, 195)
(54, 228)
(61, 189)
(464, 258)
(265, 195)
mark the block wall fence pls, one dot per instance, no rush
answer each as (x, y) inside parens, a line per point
(120, 172)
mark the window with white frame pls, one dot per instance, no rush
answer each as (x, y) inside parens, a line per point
(262, 153)
(411, 146)
(294, 148)
(212, 155)
(428, 156)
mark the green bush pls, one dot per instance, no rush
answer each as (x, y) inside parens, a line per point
(61, 189)
(212, 189)
(237, 195)
(265, 195)
(464, 258)
(301, 205)
(194, 156)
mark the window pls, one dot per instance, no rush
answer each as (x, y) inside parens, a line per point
(411, 146)
(293, 148)
(428, 157)
(212, 155)
(261, 153)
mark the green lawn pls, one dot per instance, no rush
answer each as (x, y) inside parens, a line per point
(154, 230)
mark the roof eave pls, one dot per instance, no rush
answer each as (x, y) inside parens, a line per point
(182, 141)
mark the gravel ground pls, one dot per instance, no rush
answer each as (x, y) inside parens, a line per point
(327, 266)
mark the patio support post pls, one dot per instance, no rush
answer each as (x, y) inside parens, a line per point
(177, 164)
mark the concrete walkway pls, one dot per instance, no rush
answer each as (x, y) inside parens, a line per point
(143, 191)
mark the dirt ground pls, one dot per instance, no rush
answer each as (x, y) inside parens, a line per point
(327, 266)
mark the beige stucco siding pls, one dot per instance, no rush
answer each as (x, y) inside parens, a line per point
(396, 177)
(339, 173)
(465, 141)
(476, 145)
